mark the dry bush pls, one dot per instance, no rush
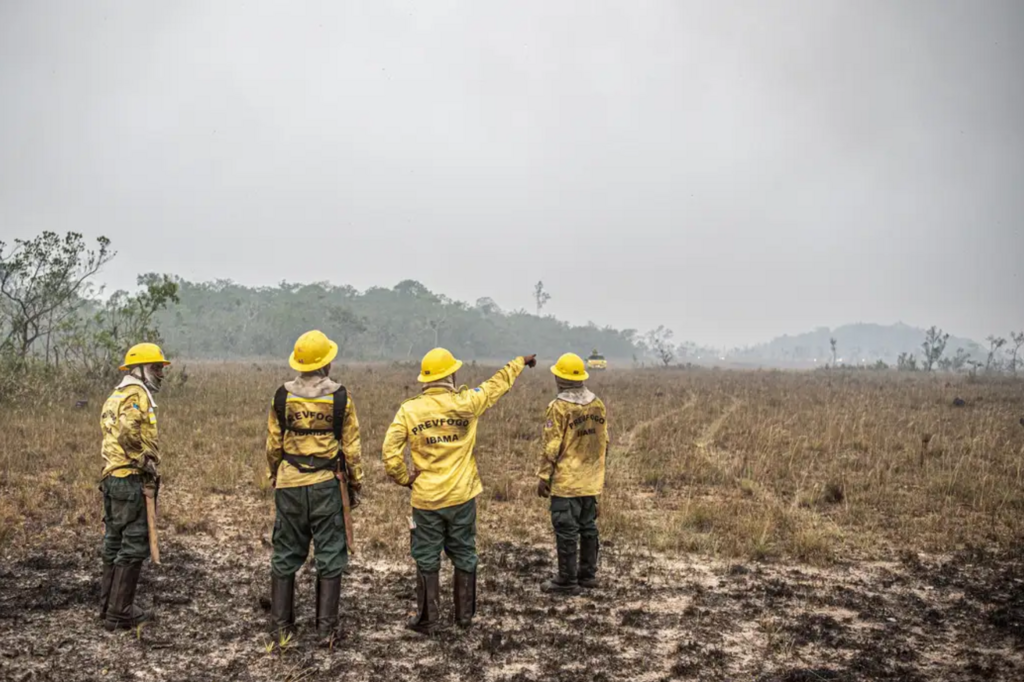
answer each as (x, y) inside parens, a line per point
(747, 464)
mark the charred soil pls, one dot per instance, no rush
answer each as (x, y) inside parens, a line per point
(653, 618)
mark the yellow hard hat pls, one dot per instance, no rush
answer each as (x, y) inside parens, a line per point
(144, 354)
(570, 366)
(313, 351)
(438, 364)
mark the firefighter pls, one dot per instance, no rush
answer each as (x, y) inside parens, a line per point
(572, 474)
(312, 440)
(439, 426)
(131, 457)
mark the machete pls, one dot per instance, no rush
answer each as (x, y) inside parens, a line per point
(154, 544)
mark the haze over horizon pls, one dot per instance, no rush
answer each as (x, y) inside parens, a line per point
(734, 171)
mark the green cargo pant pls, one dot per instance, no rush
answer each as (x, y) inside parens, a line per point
(574, 517)
(309, 512)
(126, 535)
(452, 529)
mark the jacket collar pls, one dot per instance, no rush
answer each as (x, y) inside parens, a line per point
(578, 396)
(129, 380)
(311, 386)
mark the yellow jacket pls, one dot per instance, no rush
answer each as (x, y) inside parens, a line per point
(575, 444)
(128, 422)
(439, 425)
(310, 405)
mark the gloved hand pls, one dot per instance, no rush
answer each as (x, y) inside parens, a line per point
(353, 497)
(530, 360)
(149, 467)
(413, 475)
(543, 488)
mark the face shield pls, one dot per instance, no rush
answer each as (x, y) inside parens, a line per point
(152, 375)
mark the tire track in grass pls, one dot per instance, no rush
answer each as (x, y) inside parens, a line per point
(707, 438)
(628, 443)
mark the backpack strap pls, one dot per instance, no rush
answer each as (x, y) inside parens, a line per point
(338, 421)
(309, 464)
(280, 398)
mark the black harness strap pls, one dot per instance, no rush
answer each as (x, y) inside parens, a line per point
(308, 464)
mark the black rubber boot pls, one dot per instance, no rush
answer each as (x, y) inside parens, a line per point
(105, 582)
(465, 598)
(588, 562)
(282, 605)
(328, 593)
(427, 619)
(565, 582)
(122, 613)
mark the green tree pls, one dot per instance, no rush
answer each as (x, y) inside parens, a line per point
(906, 362)
(933, 347)
(1018, 340)
(94, 345)
(224, 320)
(660, 342)
(41, 280)
(959, 360)
(994, 344)
(540, 296)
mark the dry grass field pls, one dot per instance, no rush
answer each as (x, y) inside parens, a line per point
(756, 526)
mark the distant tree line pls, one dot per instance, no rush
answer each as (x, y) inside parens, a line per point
(54, 318)
(933, 356)
(227, 320)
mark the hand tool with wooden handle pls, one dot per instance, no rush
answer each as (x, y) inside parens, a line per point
(154, 545)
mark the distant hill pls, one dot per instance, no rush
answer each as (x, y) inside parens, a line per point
(855, 343)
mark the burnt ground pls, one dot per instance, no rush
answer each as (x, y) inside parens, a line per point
(959, 617)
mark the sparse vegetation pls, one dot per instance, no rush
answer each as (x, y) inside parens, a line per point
(1014, 351)
(906, 362)
(540, 297)
(992, 363)
(933, 347)
(54, 326)
(717, 482)
(850, 441)
(659, 341)
(721, 469)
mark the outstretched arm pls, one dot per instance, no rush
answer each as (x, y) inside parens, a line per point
(488, 393)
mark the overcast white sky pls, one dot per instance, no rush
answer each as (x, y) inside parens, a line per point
(733, 170)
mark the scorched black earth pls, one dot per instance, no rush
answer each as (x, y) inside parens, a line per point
(956, 618)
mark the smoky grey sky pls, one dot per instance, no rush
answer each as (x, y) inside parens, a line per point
(733, 170)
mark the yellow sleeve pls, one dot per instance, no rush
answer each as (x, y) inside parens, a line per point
(134, 410)
(483, 397)
(554, 428)
(352, 445)
(393, 452)
(607, 431)
(275, 444)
